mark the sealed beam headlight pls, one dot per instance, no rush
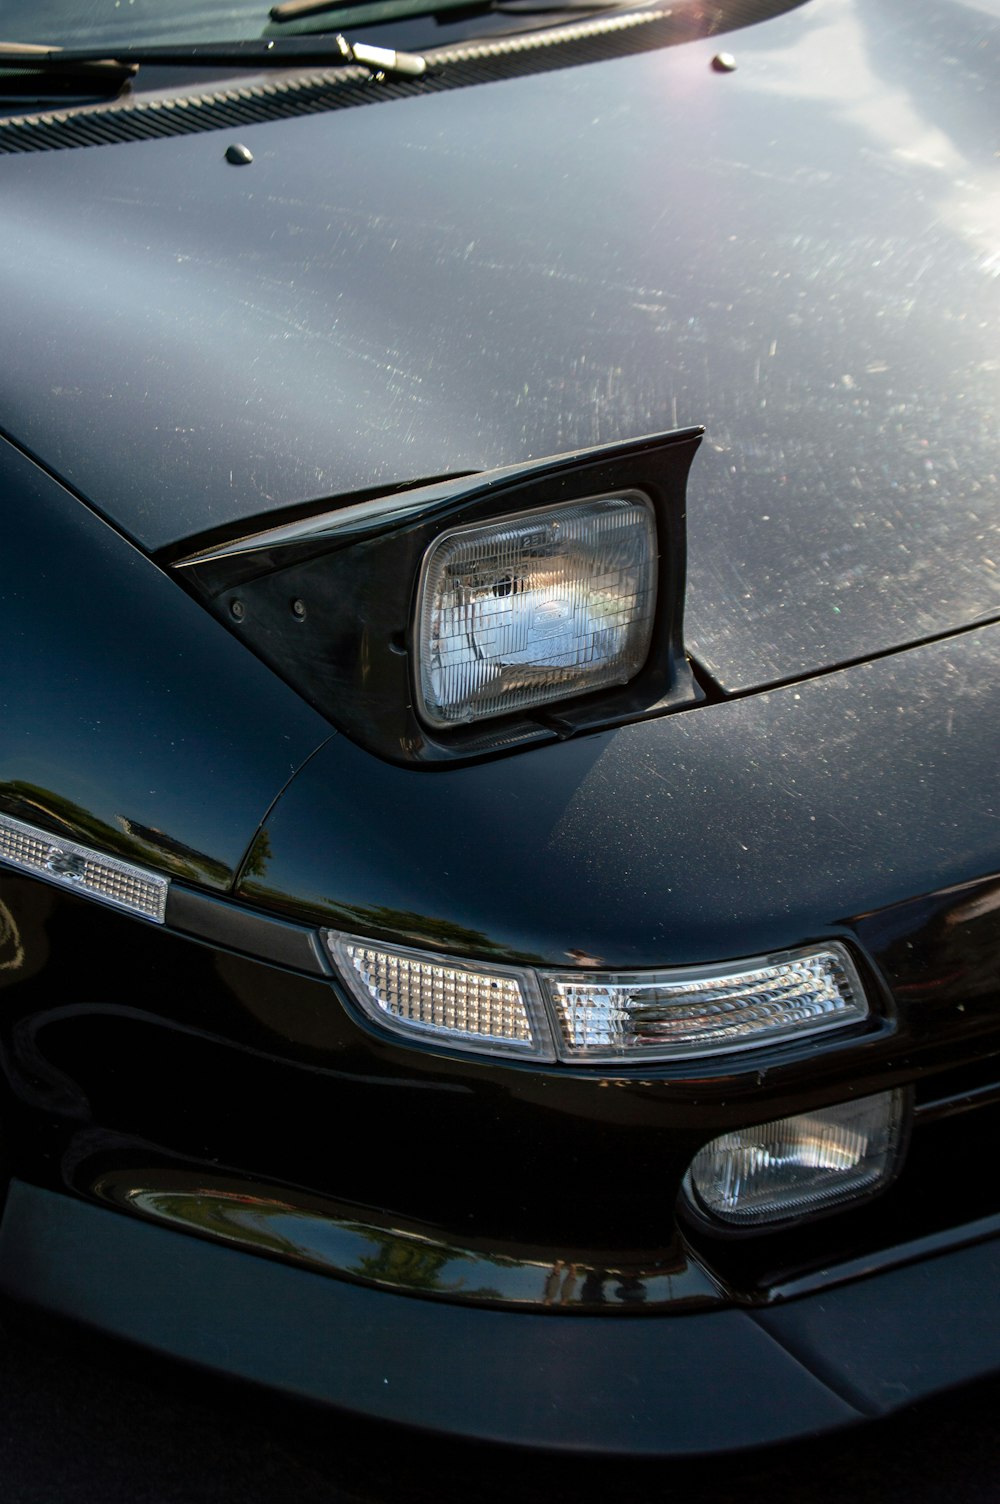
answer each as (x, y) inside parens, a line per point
(524, 610)
(796, 1166)
(709, 1010)
(489, 1009)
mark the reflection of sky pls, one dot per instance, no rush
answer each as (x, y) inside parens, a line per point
(834, 65)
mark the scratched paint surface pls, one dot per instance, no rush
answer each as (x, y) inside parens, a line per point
(803, 255)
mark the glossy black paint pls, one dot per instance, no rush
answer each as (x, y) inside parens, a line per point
(237, 349)
(313, 1233)
(129, 719)
(786, 254)
(725, 830)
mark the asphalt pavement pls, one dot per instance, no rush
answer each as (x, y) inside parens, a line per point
(88, 1421)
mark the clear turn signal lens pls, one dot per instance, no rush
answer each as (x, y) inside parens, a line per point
(489, 1009)
(83, 869)
(524, 610)
(712, 1010)
(800, 1165)
(587, 1017)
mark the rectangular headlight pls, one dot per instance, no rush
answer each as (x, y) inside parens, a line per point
(524, 610)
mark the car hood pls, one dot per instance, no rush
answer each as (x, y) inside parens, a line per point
(800, 255)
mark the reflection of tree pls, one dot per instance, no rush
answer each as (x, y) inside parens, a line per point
(414, 1266)
(129, 839)
(387, 1257)
(260, 854)
(442, 934)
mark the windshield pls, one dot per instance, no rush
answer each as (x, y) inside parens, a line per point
(140, 23)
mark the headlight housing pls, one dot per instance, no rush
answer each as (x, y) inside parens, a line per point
(479, 614)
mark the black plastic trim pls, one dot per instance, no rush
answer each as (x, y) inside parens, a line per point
(252, 933)
(539, 50)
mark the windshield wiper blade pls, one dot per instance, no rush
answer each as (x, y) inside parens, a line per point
(324, 50)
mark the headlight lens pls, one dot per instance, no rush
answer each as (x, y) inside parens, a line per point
(524, 610)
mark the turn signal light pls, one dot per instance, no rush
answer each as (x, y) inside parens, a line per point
(586, 1017)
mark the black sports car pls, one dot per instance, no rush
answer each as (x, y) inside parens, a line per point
(500, 702)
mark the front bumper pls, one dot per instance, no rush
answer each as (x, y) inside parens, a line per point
(734, 829)
(634, 1384)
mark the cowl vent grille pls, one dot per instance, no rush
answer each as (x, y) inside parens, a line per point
(317, 91)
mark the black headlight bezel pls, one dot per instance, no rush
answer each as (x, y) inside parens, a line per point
(329, 602)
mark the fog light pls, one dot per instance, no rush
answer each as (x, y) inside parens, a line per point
(537, 607)
(796, 1166)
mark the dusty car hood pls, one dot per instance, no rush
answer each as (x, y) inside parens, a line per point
(801, 255)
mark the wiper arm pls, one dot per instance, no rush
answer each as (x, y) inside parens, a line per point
(294, 10)
(108, 74)
(298, 10)
(323, 50)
